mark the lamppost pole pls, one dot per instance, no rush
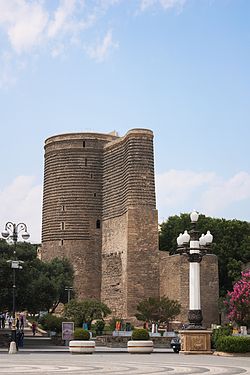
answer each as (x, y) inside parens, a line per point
(68, 289)
(195, 248)
(11, 231)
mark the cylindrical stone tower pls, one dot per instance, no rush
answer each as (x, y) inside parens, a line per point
(72, 206)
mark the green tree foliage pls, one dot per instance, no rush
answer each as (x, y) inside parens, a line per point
(231, 243)
(99, 327)
(50, 322)
(85, 311)
(39, 285)
(158, 310)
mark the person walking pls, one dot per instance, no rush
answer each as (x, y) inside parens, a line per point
(21, 322)
(20, 338)
(10, 321)
(3, 320)
(33, 327)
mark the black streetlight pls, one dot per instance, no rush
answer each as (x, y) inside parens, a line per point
(68, 289)
(12, 231)
(195, 247)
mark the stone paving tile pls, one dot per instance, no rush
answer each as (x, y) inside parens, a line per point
(119, 364)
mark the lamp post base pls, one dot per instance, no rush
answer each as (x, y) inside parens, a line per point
(195, 319)
(196, 342)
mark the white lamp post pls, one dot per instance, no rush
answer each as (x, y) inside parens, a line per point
(11, 231)
(195, 248)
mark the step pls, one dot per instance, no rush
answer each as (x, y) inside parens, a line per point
(37, 342)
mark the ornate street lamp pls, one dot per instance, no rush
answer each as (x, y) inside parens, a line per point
(194, 247)
(12, 231)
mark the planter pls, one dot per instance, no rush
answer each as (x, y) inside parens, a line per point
(81, 346)
(140, 346)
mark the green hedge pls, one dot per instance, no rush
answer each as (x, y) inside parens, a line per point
(140, 334)
(81, 334)
(219, 332)
(233, 344)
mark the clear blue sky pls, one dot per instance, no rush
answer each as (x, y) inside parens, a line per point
(178, 67)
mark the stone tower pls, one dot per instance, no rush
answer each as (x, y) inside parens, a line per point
(72, 206)
(99, 211)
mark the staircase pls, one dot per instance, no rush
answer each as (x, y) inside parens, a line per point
(37, 342)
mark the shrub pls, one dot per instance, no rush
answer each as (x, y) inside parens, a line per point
(51, 322)
(219, 332)
(99, 327)
(81, 334)
(238, 301)
(140, 334)
(233, 344)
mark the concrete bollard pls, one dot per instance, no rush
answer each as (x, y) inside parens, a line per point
(12, 348)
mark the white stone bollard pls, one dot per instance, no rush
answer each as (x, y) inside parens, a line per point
(140, 346)
(81, 346)
(12, 348)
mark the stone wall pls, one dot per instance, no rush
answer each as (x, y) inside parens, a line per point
(128, 173)
(121, 341)
(85, 260)
(210, 289)
(143, 260)
(114, 264)
(130, 270)
(174, 280)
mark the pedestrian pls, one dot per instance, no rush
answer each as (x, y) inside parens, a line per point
(3, 320)
(17, 324)
(21, 322)
(20, 338)
(10, 321)
(33, 327)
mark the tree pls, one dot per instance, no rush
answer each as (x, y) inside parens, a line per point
(158, 310)
(39, 285)
(86, 311)
(231, 243)
(238, 301)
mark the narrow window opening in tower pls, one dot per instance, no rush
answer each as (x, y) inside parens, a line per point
(63, 208)
(94, 194)
(98, 224)
(62, 225)
(86, 161)
(91, 175)
(83, 144)
(61, 242)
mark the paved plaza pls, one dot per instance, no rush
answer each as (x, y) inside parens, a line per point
(120, 364)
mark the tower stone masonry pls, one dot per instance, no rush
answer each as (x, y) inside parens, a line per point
(99, 211)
